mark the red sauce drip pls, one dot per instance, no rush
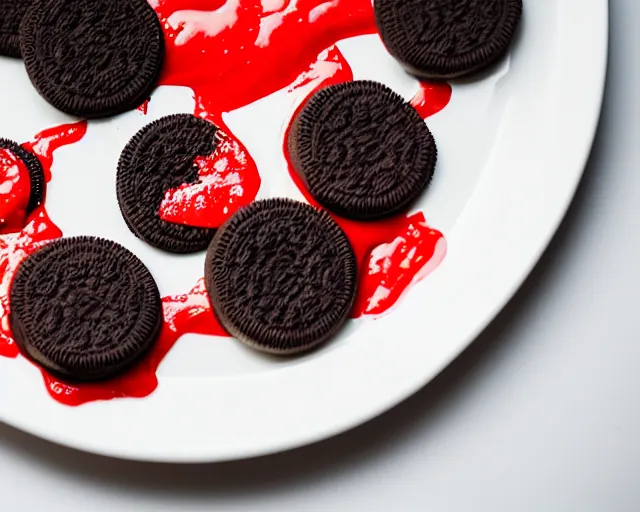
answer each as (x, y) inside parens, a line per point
(188, 313)
(431, 98)
(329, 68)
(15, 188)
(144, 108)
(228, 179)
(47, 141)
(389, 269)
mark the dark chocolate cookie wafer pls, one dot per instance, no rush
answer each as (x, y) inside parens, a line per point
(85, 308)
(34, 167)
(281, 276)
(361, 150)
(92, 58)
(444, 39)
(11, 13)
(158, 158)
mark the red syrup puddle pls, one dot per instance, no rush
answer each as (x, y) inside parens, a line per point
(47, 141)
(235, 52)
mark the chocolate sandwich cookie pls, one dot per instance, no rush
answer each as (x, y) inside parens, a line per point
(84, 308)
(361, 150)
(445, 39)
(92, 58)
(158, 158)
(34, 168)
(281, 276)
(11, 13)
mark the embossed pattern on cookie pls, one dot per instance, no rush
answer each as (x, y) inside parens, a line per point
(92, 58)
(84, 308)
(11, 14)
(445, 39)
(362, 151)
(281, 276)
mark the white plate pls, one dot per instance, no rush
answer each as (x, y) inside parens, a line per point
(512, 146)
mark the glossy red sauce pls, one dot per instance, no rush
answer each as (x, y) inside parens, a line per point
(431, 98)
(144, 108)
(47, 141)
(228, 179)
(15, 188)
(231, 53)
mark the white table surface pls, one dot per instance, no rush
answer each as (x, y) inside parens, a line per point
(542, 413)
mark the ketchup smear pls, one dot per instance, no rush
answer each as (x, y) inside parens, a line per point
(231, 53)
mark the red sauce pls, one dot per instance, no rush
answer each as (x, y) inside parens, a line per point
(431, 98)
(412, 252)
(329, 68)
(228, 179)
(144, 108)
(15, 188)
(236, 52)
(47, 141)
(231, 53)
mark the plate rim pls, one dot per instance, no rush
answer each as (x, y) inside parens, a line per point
(595, 66)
